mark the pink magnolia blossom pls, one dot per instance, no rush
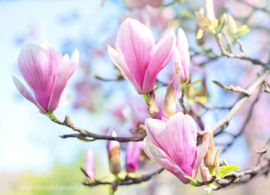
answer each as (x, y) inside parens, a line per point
(46, 72)
(181, 58)
(90, 164)
(133, 153)
(173, 145)
(140, 59)
(142, 3)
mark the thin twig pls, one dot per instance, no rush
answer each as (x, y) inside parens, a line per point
(250, 89)
(127, 181)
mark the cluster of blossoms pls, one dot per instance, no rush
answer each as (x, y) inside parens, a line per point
(171, 139)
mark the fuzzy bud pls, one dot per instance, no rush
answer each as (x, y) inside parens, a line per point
(211, 159)
(90, 165)
(169, 106)
(113, 149)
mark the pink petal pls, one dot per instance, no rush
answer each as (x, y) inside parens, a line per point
(55, 56)
(200, 157)
(176, 86)
(206, 176)
(60, 82)
(90, 164)
(120, 63)
(154, 128)
(177, 64)
(182, 40)
(164, 119)
(37, 69)
(160, 59)
(74, 61)
(133, 154)
(182, 55)
(159, 156)
(136, 42)
(22, 89)
(181, 134)
(111, 144)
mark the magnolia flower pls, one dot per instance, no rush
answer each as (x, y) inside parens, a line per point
(46, 72)
(173, 145)
(139, 58)
(142, 3)
(133, 153)
(90, 165)
(113, 149)
(181, 58)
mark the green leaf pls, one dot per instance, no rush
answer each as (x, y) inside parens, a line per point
(224, 170)
(196, 91)
(243, 32)
(186, 13)
(199, 34)
(200, 99)
(242, 28)
(195, 82)
(215, 23)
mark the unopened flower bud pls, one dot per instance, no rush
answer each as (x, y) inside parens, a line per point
(211, 159)
(171, 97)
(113, 149)
(90, 165)
(169, 106)
(133, 153)
(153, 108)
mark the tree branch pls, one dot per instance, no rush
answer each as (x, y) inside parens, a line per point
(86, 134)
(238, 105)
(127, 181)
